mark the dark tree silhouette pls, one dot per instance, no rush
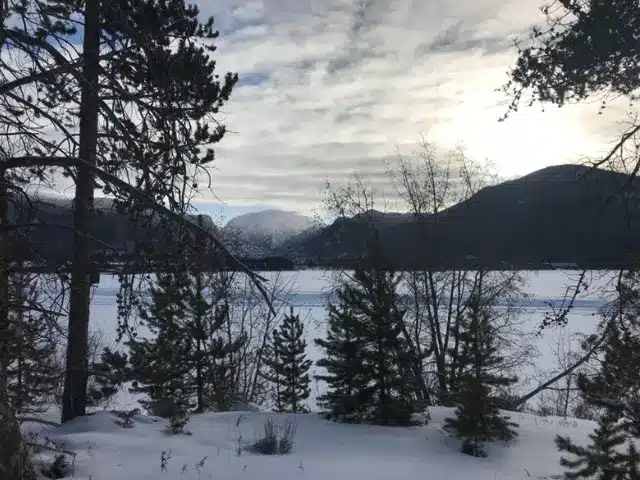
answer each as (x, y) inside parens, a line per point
(288, 366)
(477, 416)
(588, 48)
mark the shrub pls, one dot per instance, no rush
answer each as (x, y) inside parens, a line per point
(176, 424)
(277, 439)
(59, 468)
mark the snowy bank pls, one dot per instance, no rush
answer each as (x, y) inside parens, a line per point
(217, 448)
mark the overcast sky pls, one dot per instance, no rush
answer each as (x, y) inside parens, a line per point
(329, 87)
(332, 87)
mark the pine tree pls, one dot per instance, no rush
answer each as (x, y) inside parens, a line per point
(107, 376)
(366, 354)
(147, 93)
(33, 375)
(343, 359)
(216, 361)
(288, 365)
(615, 391)
(186, 364)
(602, 458)
(158, 366)
(205, 320)
(477, 416)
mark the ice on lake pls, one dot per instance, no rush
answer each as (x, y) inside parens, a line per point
(306, 291)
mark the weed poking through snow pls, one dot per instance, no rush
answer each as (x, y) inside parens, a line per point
(177, 423)
(277, 439)
(59, 468)
(165, 456)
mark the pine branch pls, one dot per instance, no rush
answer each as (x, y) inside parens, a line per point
(45, 74)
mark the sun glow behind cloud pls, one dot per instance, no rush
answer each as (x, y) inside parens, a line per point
(331, 87)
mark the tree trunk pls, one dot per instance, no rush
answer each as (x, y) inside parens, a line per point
(567, 393)
(75, 385)
(199, 356)
(15, 463)
(199, 289)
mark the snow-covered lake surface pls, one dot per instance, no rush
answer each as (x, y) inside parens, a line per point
(307, 290)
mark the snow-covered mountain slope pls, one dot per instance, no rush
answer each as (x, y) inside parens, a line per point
(267, 229)
(217, 449)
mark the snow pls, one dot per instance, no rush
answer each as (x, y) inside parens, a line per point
(306, 291)
(245, 407)
(268, 221)
(322, 449)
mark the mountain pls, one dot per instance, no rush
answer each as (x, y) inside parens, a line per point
(561, 214)
(49, 236)
(261, 233)
(343, 239)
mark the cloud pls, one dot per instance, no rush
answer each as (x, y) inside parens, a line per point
(331, 87)
(458, 39)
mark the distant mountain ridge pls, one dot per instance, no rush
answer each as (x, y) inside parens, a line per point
(261, 233)
(555, 215)
(561, 214)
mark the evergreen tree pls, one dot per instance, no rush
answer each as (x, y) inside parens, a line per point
(477, 416)
(144, 92)
(212, 349)
(215, 360)
(158, 363)
(33, 376)
(600, 460)
(288, 365)
(367, 358)
(343, 359)
(107, 376)
(615, 392)
(186, 364)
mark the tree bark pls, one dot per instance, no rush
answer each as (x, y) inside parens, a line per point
(75, 386)
(15, 463)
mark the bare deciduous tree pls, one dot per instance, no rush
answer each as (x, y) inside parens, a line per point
(253, 319)
(428, 183)
(561, 399)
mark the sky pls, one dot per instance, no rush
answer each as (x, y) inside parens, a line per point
(329, 88)
(332, 87)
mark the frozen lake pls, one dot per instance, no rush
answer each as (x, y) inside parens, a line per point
(307, 290)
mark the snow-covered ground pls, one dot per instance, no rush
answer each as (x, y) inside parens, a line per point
(322, 450)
